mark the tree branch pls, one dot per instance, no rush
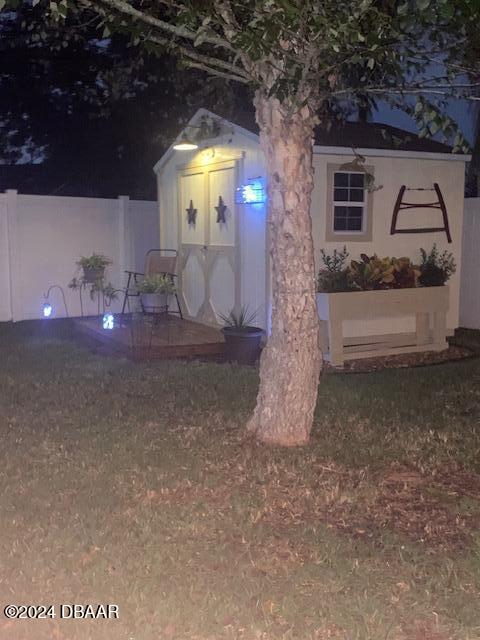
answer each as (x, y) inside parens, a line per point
(216, 72)
(124, 8)
(407, 91)
(194, 56)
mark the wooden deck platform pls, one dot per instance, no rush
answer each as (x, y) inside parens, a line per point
(151, 339)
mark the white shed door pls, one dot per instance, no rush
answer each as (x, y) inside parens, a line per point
(209, 276)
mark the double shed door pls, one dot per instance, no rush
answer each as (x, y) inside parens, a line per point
(209, 269)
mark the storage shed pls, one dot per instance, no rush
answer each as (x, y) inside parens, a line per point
(212, 207)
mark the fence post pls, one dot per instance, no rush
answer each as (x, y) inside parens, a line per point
(16, 301)
(123, 237)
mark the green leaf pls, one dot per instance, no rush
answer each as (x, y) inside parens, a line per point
(419, 107)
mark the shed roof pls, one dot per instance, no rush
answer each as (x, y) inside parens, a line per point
(381, 139)
(365, 135)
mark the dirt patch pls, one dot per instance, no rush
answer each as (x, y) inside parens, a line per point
(452, 354)
(426, 510)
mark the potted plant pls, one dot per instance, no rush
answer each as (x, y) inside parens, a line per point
(153, 290)
(93, 267)
(242, 340)
(93, 278)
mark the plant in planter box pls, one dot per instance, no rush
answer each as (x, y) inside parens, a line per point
(405, 273)
(436, 268)
(371, 273)
(93, 267)
(242, 340)
(334, 276)
(154, 289)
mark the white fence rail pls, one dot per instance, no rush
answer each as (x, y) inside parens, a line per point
(470, 276)
(41, 238)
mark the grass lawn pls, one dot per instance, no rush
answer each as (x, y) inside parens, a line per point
(135, 485)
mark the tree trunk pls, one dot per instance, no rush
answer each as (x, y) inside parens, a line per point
(291, 362)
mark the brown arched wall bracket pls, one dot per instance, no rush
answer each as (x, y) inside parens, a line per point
(400, 205)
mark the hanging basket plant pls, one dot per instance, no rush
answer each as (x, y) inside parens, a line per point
(93, 267)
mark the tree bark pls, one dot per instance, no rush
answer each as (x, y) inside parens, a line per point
(291, 362)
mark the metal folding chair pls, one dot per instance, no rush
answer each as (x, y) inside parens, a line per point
(157, 262)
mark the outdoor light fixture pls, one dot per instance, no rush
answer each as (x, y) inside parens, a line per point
(185, 144)
(252, 192)
(108, 321)
(47, 309)
(208, 128)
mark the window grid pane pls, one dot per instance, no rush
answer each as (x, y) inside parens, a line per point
(348, 218)
(348, 187)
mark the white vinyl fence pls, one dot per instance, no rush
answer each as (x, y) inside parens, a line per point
(41, 238)
(470, 276)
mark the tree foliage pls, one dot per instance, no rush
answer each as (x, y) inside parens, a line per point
(305, 51)
(416, 54)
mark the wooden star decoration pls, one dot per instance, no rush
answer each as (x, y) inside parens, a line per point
(221, 209)
(191, 214)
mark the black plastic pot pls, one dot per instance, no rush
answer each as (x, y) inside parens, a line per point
(242, 345)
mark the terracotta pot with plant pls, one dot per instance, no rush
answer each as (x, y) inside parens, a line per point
(242, 340)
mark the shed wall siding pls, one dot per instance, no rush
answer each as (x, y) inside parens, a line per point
(392, 173)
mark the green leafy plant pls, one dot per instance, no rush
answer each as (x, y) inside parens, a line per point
(95, 262)
(334, 276)
(240, 320)
(405, 273)
(371, 273)
(109, 292)
(99, 286)
(157, 283)
(436, 268)
(93, 277)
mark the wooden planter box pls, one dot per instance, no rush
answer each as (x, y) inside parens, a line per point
(429, 305)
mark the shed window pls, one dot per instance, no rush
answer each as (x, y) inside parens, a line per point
(348, 202)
